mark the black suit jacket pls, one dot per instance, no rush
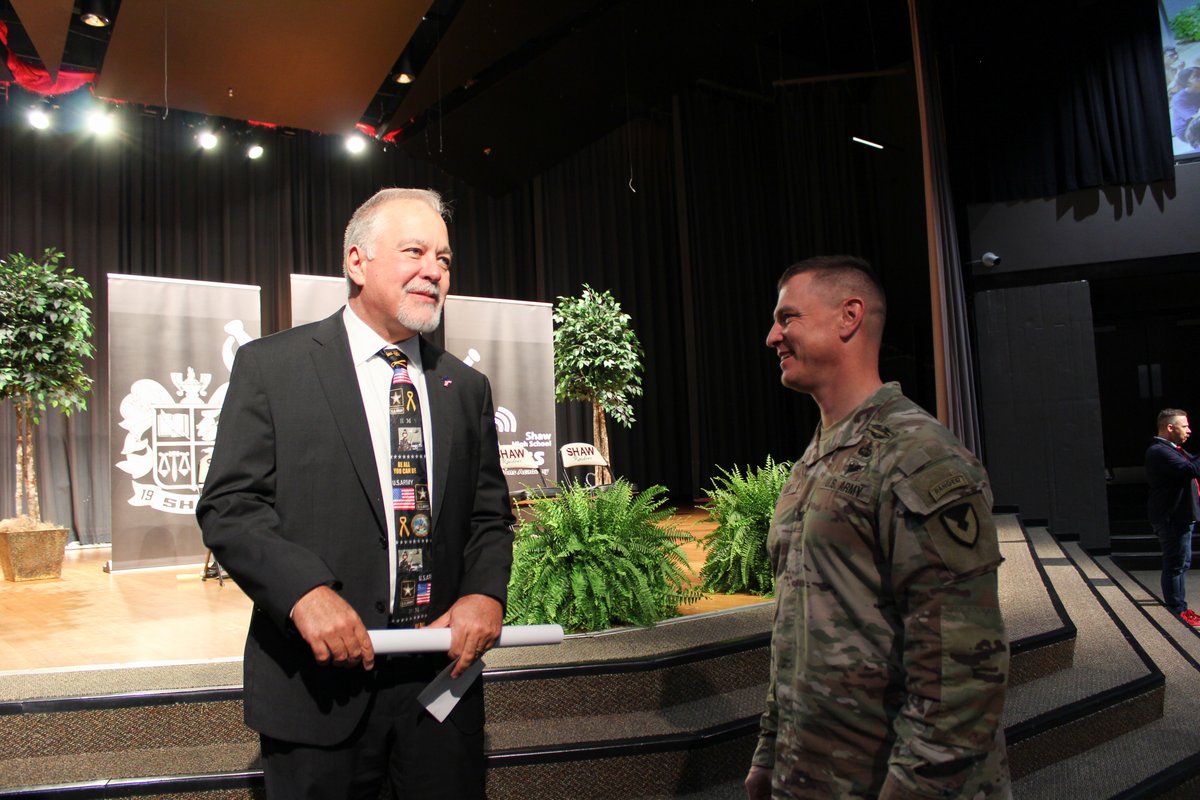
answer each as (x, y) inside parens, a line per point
(292, 500)
(1170, 474)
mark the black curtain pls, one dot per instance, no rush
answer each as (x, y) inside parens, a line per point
(607, 217)
(1054, 97)
(772, 180)
(734, 179)
(687, 217)
(149, 202)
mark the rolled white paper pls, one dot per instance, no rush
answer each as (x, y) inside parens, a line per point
(437, 640)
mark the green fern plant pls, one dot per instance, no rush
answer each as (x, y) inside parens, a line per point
(592, 560)
(736, 557)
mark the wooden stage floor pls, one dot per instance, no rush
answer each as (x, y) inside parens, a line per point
(165, 615)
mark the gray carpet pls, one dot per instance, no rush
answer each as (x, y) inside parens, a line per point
(1103, 658)
(1126, 760)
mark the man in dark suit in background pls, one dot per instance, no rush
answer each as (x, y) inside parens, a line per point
(1174, 507)
(298, 507)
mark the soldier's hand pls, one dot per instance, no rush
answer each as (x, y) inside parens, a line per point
(333, 629)
(758, 784)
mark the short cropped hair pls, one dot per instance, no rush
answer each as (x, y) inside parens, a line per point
(362, 229)
(1168, 415)
(848, 272)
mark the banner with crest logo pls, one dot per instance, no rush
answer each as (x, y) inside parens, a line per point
(171, 345)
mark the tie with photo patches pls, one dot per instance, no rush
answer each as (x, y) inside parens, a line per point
(410, 498)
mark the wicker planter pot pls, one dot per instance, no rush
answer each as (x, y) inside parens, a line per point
(30, 555)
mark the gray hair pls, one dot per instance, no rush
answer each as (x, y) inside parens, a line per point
(361, 231)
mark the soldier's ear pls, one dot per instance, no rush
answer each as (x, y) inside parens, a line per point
(854, 311)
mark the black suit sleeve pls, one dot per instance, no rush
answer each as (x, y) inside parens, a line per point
(487, 555)
(1168, 463)
(237, 511)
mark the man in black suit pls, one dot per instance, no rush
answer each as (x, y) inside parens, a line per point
(1174, 507)
(294, 508)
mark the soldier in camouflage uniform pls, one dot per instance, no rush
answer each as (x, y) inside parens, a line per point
(889, 660)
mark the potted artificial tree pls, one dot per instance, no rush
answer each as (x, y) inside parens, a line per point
(45, 326)
(597, 358)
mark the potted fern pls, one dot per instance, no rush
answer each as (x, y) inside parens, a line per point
(591, 561)
(597, 358)
(742, 505)
(45, 327)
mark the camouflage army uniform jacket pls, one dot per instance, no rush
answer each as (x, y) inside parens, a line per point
(889, 660)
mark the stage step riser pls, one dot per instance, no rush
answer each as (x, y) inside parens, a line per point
(1030, 665)
(1058, 742)
(1137, 562)
(1142, 543)
(608, 692)
(196, 724)
(653, 774)
(62, 734)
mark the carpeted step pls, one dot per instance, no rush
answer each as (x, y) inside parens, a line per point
(1041, 636)
(1159, 759)
(1113, 689)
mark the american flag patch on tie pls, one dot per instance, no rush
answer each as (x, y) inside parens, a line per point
(404, 498)
(422, 593)
(400, 376)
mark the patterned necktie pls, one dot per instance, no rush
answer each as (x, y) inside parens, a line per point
(410, 498)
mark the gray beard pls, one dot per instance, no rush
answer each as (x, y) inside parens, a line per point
(420, 324)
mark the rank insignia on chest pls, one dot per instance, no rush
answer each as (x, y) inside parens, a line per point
(880, 433)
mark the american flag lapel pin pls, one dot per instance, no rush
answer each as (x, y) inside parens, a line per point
(446, 381)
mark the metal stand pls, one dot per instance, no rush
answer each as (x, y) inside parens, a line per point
(212, 565)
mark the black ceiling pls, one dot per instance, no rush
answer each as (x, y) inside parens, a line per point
(505, 90)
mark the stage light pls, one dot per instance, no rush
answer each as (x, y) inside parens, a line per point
(355, 143)
(405, 75)
(254, 151)
(208, 140)
(100, 122)
(39, 119)
(95, 13)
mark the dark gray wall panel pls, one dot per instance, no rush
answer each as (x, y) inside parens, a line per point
(1041, 406)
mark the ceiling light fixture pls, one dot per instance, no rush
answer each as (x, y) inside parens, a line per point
(254, 151)
(867, 142)
(95, 13)
(208, 140)
(404, 74)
